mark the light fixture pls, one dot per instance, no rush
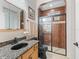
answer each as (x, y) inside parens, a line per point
(50, 5)
(44, 19)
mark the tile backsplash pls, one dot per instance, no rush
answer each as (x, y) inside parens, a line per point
(6, 36)
(14, 41)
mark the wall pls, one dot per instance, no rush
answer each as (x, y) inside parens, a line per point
(5, 36)
(70, 9)
(77, 26)
(19, 3)
(34, 27)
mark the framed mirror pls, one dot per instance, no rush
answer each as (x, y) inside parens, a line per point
(13, 17)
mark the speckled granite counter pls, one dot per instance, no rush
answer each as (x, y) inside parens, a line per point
(7, 53)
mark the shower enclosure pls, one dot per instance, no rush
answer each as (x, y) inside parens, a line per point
(52, 31)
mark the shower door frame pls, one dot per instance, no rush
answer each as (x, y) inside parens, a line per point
(51, 33)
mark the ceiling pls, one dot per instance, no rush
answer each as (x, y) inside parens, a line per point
(52, 4)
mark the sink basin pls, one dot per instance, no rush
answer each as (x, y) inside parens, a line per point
(19, 46)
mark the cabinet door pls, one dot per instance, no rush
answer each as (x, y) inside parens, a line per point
(25, 56)
(31, 53)
(28, 54)
(35, 56)
(19, 57)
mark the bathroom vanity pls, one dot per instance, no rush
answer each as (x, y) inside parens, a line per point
(31, 53)
(28, 52)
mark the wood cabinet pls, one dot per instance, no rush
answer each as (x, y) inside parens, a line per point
(28, 54)
(32, 53)
(35, 56)
(19, 57)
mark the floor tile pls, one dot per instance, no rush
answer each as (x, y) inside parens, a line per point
(55, 56)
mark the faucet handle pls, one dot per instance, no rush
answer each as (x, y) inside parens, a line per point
(14, 41)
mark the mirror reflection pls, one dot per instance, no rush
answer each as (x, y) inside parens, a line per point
(13, 17)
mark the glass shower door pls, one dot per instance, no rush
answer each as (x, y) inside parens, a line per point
(53, 33)
(59, 34)
(45, 24)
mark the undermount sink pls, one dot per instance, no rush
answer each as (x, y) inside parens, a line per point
(19, 46)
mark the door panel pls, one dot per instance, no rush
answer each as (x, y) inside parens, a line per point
(58, 35)
(47, 39)
(54, 33)
(35, 56)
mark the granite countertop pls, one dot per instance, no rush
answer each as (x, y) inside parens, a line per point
(7, 53)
